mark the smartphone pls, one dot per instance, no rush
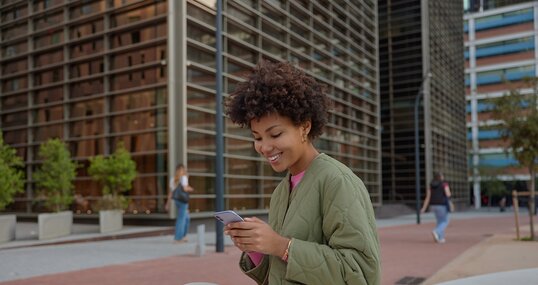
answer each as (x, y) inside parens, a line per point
(228, 216)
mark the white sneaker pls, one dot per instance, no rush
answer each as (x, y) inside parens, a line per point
(442, 241)
(435, 236)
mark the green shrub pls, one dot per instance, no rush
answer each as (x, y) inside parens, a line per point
(54, 178)
(12, 177)
(111, 202)
(116, 174)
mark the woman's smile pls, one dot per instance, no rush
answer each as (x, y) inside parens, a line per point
(274, 158)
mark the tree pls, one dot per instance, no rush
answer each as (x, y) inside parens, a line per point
(54, 178)
(492, 185)
(12, 177)
(116, 173)
(519, 126)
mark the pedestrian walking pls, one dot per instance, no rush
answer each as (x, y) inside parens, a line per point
(182, 206)
(438, 199)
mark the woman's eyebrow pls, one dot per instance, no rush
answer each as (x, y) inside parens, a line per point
(267, 130)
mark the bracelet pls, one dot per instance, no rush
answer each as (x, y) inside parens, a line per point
(285, 256)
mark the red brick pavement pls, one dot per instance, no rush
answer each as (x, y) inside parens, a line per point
(410, 251)
(406, 251)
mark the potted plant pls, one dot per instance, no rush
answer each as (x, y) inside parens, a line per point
(54, 181)
(11, 183)
(116, 174)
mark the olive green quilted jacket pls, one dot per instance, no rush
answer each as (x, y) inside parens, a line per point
(331, 222)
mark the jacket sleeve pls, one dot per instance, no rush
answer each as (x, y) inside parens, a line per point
(351, 252)
(257, 273)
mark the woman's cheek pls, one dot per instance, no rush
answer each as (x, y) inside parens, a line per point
(257, 146)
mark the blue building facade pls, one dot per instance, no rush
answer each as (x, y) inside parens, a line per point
(500, 51)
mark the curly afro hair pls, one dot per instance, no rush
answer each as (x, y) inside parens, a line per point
(280, 88)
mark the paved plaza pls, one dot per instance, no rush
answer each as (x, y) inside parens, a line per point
(480, 249)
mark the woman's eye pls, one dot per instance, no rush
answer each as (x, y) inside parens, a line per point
(276, 136)
(257, 139)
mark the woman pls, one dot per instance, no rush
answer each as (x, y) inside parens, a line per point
(321, 226)
(437, 198)
(182, 218)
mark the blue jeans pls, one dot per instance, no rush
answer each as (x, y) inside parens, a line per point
(441, 215)
(182, 220)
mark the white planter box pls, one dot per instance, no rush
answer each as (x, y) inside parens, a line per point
(110, 221)
(7, 227)
(54, 225)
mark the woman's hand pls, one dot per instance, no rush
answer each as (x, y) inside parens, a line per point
(256, 235)
(167, 205)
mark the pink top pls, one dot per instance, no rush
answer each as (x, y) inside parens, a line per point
(257, 257)
(295, 179)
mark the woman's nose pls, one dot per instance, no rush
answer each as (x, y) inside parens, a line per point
(264, 148)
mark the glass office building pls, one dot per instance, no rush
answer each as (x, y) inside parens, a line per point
(418, 38)
(500, 51)
(96, 73)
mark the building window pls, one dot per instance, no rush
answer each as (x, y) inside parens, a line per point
(135, 37)
(505, 19)
(505, 47)
(510, 74)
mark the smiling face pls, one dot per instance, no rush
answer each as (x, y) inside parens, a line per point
(284, 145)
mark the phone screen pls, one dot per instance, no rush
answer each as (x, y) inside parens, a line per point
(228, 216)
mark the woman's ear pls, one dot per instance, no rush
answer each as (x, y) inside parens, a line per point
(306, 126)
(305, 130)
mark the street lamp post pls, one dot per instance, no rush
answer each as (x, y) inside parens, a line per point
(417, 145)
(219, 158)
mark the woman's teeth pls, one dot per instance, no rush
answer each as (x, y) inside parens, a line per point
(274, 157)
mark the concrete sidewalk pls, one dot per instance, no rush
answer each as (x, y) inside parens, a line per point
(409, 255)
(26, 234)
(523, 276)
(498, 259)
